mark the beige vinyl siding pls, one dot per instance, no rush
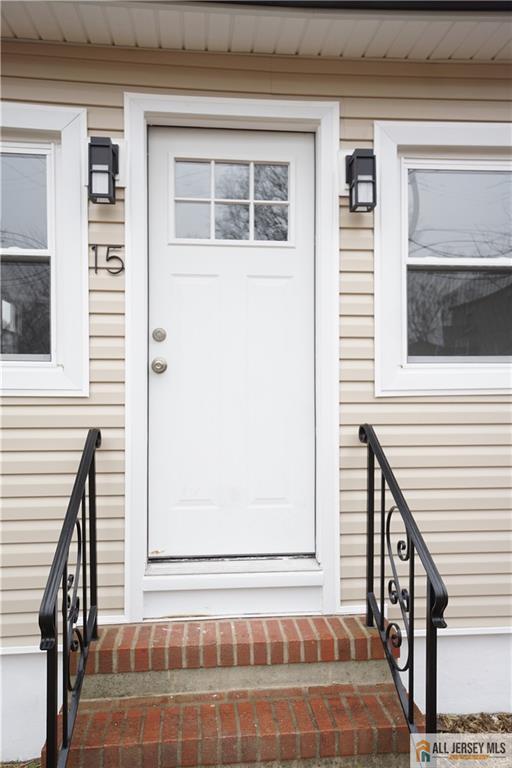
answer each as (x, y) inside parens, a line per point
(452, 455)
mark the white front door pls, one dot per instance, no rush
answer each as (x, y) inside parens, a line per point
(231, 288)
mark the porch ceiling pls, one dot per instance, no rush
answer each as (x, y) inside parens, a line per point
(246, 28)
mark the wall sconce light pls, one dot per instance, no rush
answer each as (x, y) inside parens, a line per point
(361, 180)
(103, 168)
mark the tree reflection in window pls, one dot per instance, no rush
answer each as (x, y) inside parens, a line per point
(240, 201)
(460, 214)
(458, 306)
(270, 181)
(459, 312)
(26, 254)
(25, 290)
(23, 201)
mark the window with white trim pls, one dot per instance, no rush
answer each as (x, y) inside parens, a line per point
(43, 251)
(27, 250)
(443, 319)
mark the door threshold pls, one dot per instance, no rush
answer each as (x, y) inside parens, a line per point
(232, 565)
(230, 558)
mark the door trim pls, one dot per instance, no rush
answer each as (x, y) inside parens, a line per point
(315, 589)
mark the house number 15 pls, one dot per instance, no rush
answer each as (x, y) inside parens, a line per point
(109, 257)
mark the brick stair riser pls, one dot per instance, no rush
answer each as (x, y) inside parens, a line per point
(210, 644)
(150, 759)
(279, 726)
(232, 678)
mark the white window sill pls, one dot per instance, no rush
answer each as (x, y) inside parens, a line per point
(443, 379)
(40, 380)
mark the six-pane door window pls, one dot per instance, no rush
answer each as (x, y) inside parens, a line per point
(26, 242)
(220, 200)
(459, 263)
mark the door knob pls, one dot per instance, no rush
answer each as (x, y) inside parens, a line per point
(159, 365)
(159, 334)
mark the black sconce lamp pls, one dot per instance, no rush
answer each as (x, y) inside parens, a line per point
(361, 180)
(103, 167)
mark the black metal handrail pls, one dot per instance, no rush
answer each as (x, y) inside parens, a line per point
(436, 593)
(82, 499)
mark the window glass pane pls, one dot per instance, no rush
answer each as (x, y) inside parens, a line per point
(459, 312)
(231, 181)
(25, 291)
(192, 220)
(192, 179)
(460, 213)
(270, 222)
(231, 221)
(24, 206)
(270, 182)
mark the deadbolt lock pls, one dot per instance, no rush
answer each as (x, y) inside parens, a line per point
(159, 334)
(159, 365)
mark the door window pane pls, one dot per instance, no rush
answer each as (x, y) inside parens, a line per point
(25, 293)
(460, 213)
(231, 221)
(192, 220)
(192, 179)
(235, 200)
(270, 182)
(24, 217)
(271, 222)
(453, 312)
(231, 181)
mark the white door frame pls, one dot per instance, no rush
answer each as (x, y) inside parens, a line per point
(322, 577)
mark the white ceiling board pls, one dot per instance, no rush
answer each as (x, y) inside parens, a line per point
(266, 35)
(495, 43)
(70, 22)
(290, 36)
(506, 52)
(194, 26)
(44, 21)
(146, 28)
(383, 39)
(121, 26)
(314, 35)
(243, 33)
(434, 32)
(219, 32)
(19, 21)
(406, 40)
(95, 23)
(337, 36)
(6, 29)
(453, 38)
(361, 37)
(482, 32)
(170, 24)
(351, 34)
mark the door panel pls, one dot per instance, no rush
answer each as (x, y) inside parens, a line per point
(232, 418)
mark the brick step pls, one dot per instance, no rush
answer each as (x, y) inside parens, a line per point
(359, 725)
(230, 643)
(212, 655)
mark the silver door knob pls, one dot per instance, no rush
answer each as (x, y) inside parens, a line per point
(159, 365)
(159, 334)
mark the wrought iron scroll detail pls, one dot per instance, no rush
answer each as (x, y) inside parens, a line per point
(409, 548)
(75, 639)
(73, 597)
(397, 596)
